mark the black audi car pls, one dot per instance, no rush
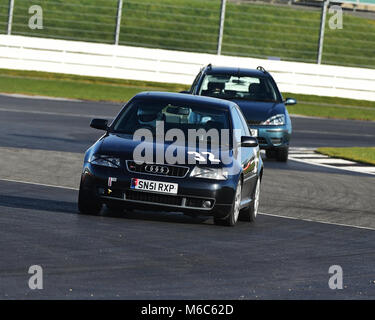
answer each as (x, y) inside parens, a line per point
(174, 152)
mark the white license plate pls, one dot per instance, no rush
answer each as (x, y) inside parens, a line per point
(254, 132)
(155, 186)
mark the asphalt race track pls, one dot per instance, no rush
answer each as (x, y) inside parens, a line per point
(312, 218)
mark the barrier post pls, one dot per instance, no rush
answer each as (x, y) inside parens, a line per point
(118, 23)
(221, 26)
(321, 33)
(10, 16)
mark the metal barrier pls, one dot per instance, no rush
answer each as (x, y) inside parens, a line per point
(126, 62)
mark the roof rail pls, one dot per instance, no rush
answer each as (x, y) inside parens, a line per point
(209, 66)
(260, 68)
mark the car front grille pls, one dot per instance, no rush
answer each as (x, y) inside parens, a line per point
(262, 140)
(158, 169)
(153, 197)
(276, 140)
(194, 202)
(253, 122)
(172, 200)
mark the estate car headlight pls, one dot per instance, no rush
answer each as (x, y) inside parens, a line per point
(105, 161)
(209, 173)
(277, 120)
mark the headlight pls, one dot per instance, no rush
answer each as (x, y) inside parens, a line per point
(105, 161)
(209, 173)
(277, 120)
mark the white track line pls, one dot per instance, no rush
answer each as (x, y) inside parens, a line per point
(261, 213)
(335, 133)
(295, 150)
(326, 119)
(332, 161)
(362, 169)
(55, 113)
(25, 96)
(307, 155)
(318, 221)
(38, 184)
(350, 169)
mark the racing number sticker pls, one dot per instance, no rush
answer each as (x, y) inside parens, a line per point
(200, 156)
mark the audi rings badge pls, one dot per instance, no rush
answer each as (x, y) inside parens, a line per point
(151, 168)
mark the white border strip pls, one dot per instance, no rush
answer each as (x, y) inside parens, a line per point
(38, 184)
(329, 166)
(137, 63)
(317, 221)
(50, 113)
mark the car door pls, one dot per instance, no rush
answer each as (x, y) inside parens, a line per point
(249, 157)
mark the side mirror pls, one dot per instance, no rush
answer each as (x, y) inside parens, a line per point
(249, 142)
(100, 124)
(186, 92)
(290, 101)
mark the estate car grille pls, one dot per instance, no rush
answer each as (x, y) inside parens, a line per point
(276, 140)
(158, 169)
(253, 122)
(262, 140)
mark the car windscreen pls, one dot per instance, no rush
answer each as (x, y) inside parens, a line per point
(239, 87)
(144, 114)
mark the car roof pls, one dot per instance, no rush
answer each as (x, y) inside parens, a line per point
(186, 98)
(237, 71)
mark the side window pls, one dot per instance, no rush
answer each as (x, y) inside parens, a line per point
(195, 82)
(237, 124)
(244, 123)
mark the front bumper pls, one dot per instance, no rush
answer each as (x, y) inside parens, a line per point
(270, 137)
(192, 192)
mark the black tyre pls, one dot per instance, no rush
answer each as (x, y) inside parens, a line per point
(270, 154)
(88, 204)
(282, 154)
(232, 218)
(250, 213)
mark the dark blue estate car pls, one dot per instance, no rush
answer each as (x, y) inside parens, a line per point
(259, 98)
(186, 171)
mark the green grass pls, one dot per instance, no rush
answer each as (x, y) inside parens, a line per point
(106, 89)
(255, 30)
(365, 155)
(332, 107)
(77, 87)
(332, 112)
